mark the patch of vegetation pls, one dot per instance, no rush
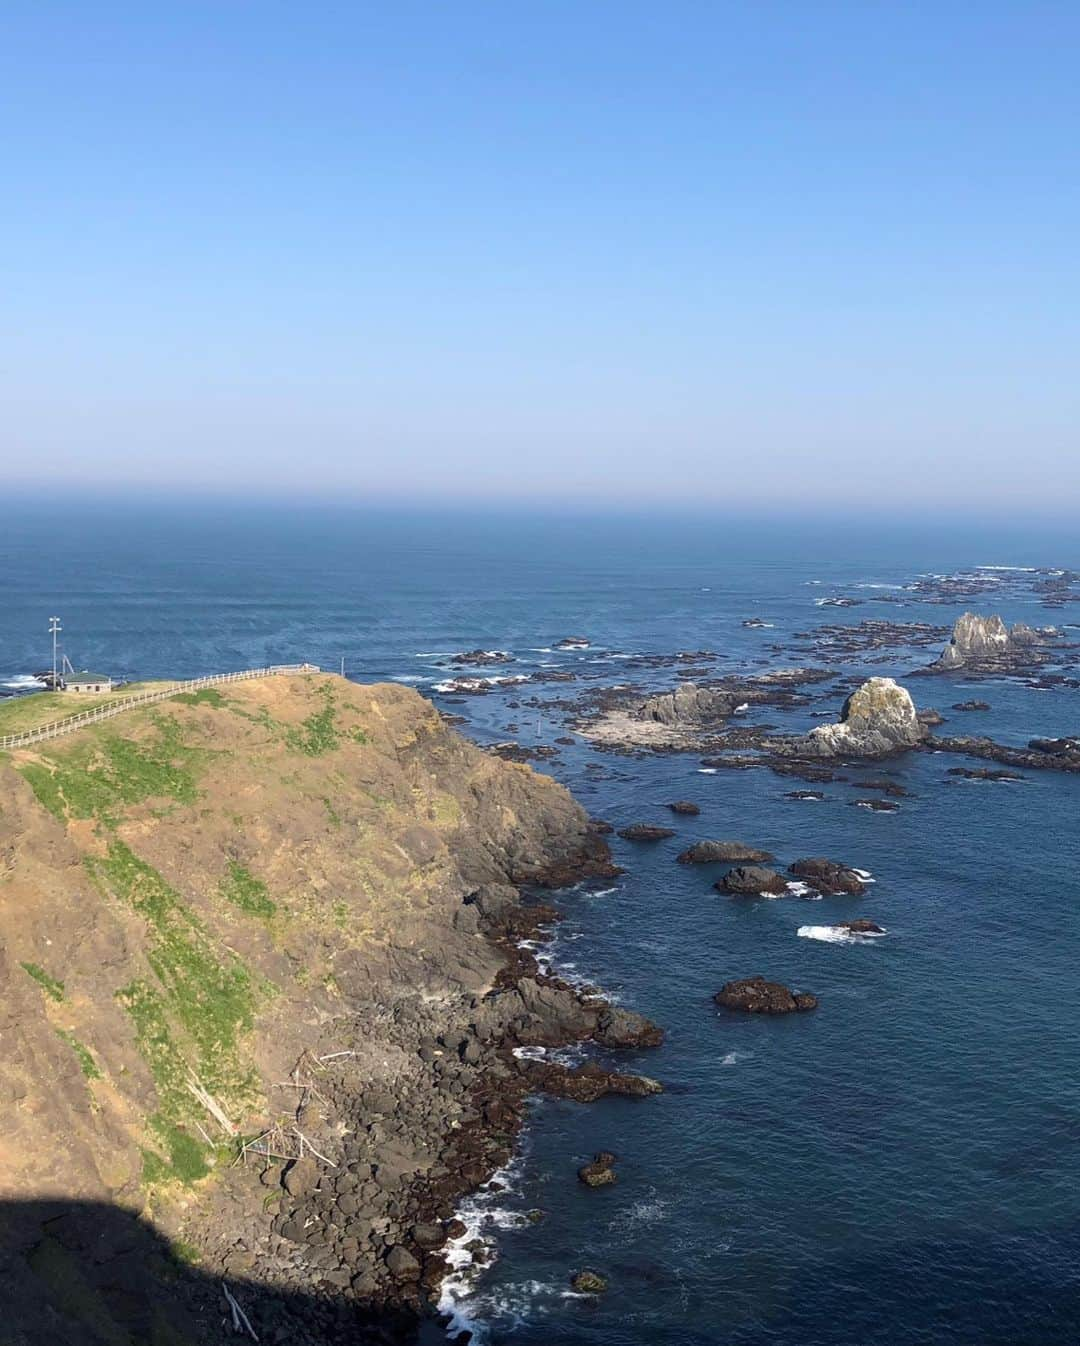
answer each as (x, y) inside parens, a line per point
(331, 812)
(53, 989)
(318, 733)
(205, 696)
(180, 1250)
(341, 914)
(187, 1024)
(244, 890)
(94, 779)
(86, 1062)
(357, 735)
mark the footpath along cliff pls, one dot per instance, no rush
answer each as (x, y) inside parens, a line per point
(259, 986)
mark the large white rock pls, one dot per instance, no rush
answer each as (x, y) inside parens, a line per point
(877, 719)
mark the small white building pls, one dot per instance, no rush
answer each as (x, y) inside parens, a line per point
(85, 681)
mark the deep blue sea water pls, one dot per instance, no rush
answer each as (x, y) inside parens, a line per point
(901, 1166)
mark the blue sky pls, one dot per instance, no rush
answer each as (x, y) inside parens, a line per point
(744, 254)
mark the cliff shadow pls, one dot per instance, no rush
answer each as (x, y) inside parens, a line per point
(84, 1273)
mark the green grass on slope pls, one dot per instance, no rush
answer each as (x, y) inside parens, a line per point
(241, 888)
(97, 778)
(53, 989)
(189, 1018)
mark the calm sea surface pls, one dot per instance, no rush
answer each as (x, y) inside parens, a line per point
(903, 1165)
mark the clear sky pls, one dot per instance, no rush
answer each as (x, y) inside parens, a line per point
(760, 253)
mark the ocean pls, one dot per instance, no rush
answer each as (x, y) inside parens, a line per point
(900, 1166)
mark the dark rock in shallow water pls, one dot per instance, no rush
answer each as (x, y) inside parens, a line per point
(804, 794)
(600, 827)
(829, 876)
(876, 805)
(755, 995)
(586, 1083)
(723, 852)
(983, 773)
(930, 717)
(752, 881)
(1055, 746)
(860, 927)
(588, 1283)
(572, 643)
(479, 658)
(684, 806)
(645, 832)
(600, 1172)
(971, 705)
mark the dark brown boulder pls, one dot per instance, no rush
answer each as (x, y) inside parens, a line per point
(587, 1083)
(829, 876)
(600, 1172)
(752, 881)
(645, 832)
(684, 806)
(723, 852)
(860, 927)
(755, 995)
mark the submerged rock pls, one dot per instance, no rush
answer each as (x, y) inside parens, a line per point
(684, 806)
(752, 881)
(860, 927)
(971, 705)
(645, 832)
(722, 852)
(755, 995)
(589, 1283)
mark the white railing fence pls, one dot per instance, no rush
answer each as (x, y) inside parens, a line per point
(105, 712)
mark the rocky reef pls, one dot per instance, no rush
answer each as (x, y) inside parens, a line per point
(261, 982)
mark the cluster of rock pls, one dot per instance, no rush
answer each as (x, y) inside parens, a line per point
(987, 645)
(822, 876)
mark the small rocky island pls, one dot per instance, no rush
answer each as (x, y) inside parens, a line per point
(986, 645)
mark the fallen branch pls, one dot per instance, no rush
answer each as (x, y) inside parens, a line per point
(240, 1319)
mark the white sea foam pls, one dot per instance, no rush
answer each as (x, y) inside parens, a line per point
(706, 771)
(472, 684)
(881, 586)
(733, 1058)
(409, 677)
(22, 681)
(1026, 570)
(648, 1210)
(798, 889)
(864, 874)
(739, 709)
(830, 934)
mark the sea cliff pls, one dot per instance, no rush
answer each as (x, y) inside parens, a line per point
(260, 985)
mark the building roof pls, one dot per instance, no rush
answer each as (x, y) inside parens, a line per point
(84, 675)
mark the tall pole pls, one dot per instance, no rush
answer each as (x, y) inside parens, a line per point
(54, 627)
